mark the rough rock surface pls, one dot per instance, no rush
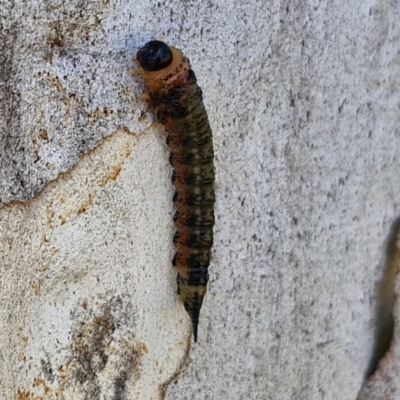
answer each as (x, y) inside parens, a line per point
(304, 101)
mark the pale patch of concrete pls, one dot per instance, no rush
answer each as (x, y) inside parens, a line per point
(88, 300)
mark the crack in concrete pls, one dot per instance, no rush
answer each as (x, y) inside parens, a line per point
(181, 369)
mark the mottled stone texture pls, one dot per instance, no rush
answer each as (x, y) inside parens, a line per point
(304, 103)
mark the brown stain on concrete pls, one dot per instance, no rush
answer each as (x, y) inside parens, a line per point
(47, 392)
(112, 175)
(130, 369)
(68, 28)
(43, 135)
(90, 355)
(93, 346)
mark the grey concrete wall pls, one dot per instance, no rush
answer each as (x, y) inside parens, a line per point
(304, 101)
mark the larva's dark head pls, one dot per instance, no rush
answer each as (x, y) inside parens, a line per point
(154, 56)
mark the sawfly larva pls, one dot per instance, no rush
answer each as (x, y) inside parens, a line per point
(175, 95)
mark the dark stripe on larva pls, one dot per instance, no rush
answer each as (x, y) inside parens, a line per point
(179, 103)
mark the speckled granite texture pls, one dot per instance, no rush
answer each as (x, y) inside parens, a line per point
(304, 102)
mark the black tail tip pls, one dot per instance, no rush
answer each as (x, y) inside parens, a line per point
(195, 331)
(194, 317)
(193, 309)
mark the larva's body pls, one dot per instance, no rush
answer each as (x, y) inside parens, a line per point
(174, 93)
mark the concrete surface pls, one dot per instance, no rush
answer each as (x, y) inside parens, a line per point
(304, 102)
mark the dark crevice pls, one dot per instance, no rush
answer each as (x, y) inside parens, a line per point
(385, 298)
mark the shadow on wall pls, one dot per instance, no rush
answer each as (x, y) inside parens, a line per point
(385, 299)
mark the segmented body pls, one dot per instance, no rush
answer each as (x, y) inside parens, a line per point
(178, 99)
